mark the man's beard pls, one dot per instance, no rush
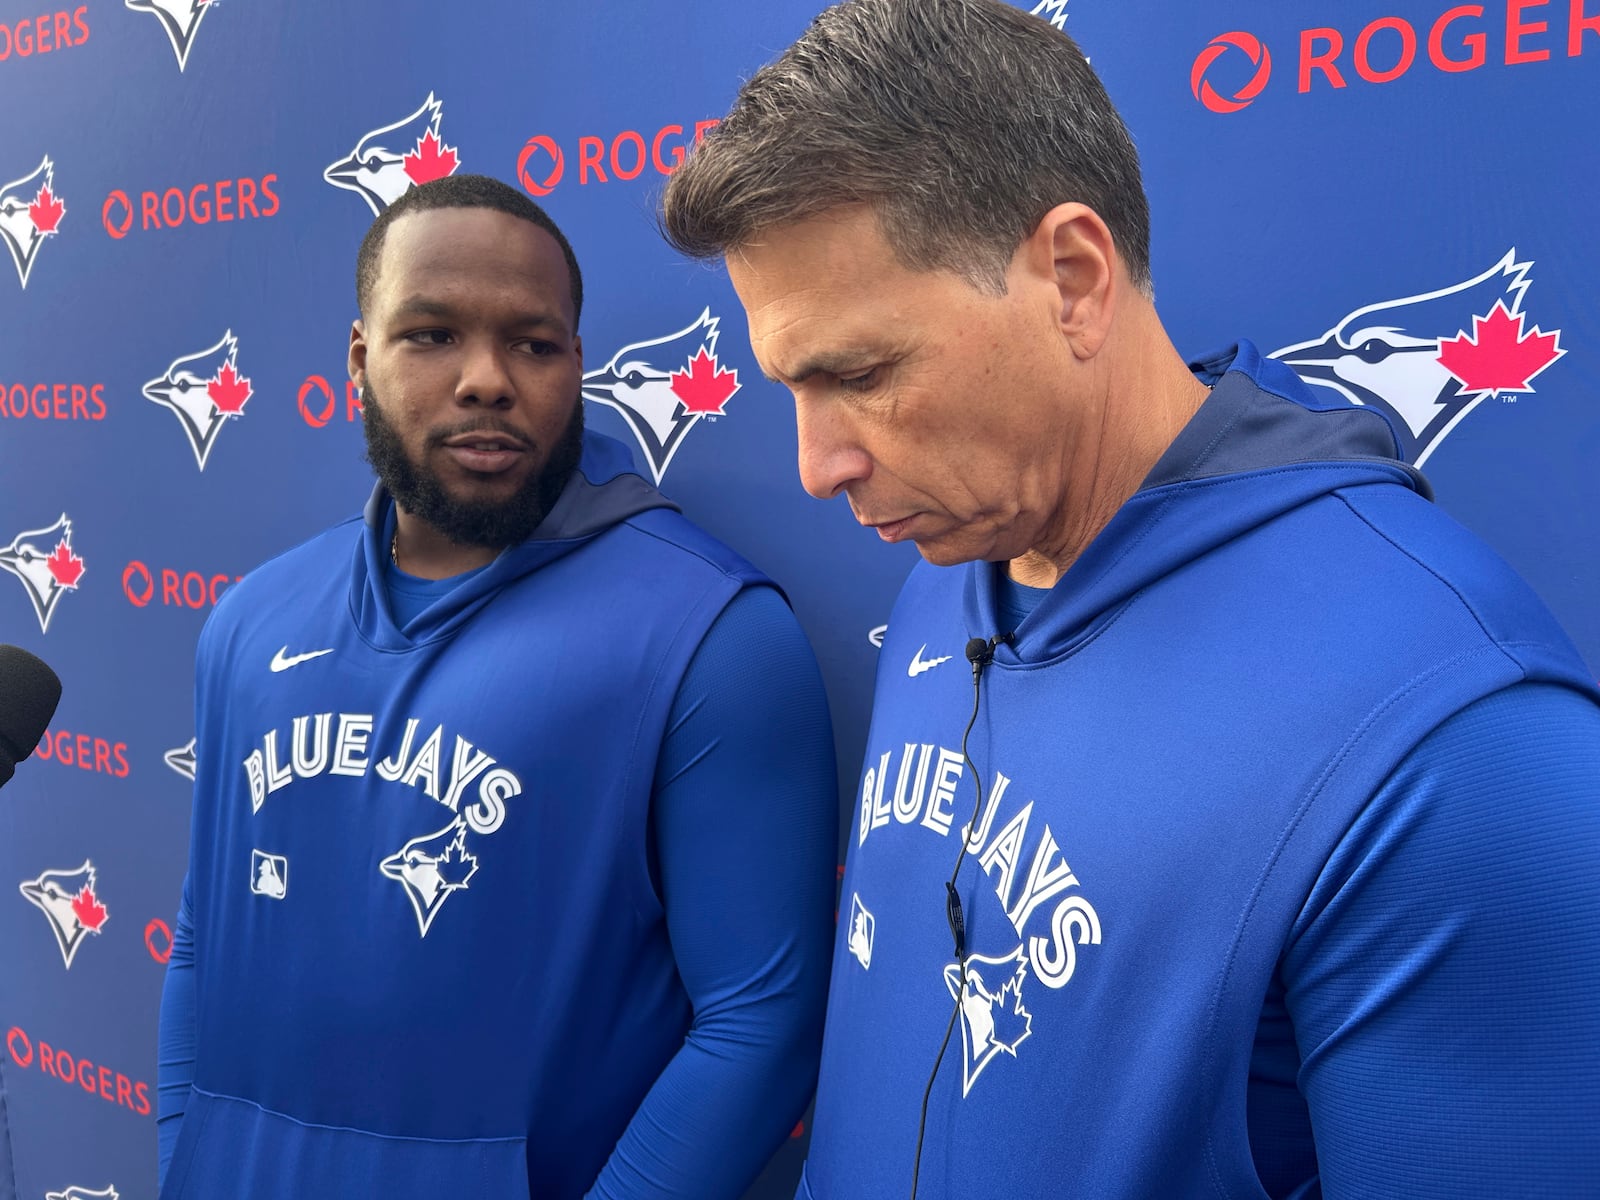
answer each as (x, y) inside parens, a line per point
(495, 524)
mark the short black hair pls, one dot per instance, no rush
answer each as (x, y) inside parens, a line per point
(460, 191)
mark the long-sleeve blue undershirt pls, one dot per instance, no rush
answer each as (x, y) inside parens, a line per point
(745, 862)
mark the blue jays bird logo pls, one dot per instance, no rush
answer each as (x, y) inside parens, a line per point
(388, 161)
(1414, 360)
(993, 1020)
(663, 387)
(203, 391)
(181, 759)
(432, 868)
(30, 212)
(1054, 11)
(44, 562)
(68, 901)
(78, 1193)
(180, 18)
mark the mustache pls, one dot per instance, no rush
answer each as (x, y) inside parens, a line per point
(439, 436)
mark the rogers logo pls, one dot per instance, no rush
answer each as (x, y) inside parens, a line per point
(1220, 45)
(1462, 38)
(111, 1086)
(542, 164)
(54, 401)
(187, 589)
(84, 752)
(317, 404)
(224, 200)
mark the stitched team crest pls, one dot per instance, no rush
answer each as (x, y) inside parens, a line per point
(432, 868)
(993, 1019)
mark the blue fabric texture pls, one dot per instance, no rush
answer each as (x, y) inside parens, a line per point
(1278, 856)
(521, 895)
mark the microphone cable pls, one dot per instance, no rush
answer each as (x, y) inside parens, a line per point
(980, 653)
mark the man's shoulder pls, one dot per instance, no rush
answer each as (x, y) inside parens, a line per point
(290, 577)
(1435, 560)
(666, 536)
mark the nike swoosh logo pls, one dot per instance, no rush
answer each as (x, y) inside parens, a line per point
(920, 664)
(283, 660)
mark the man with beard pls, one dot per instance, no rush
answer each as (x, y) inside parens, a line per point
(541, 776)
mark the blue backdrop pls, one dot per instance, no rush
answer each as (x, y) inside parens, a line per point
(1393, 194)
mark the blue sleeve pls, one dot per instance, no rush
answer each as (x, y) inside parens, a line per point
(1444, 977)
(175, 1037)
(745, 817)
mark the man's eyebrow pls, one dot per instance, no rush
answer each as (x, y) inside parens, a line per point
(829, 362)
(424, 306)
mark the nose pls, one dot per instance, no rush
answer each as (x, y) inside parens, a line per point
(484, 379)
(831, 458)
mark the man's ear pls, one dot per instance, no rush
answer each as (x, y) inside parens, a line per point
(1073, 247)
(357, 364)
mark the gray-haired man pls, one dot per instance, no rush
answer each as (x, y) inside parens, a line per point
(1236, 905)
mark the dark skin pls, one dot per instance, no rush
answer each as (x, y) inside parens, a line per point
(469, 339)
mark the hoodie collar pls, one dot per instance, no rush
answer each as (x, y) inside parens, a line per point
(1260, 445)
(605, 490)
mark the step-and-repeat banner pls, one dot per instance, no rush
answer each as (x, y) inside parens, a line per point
(1395, 195)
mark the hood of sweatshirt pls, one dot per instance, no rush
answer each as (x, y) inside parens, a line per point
(1261, 444)
(604, 491)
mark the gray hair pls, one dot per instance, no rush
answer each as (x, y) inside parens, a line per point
(960, 123)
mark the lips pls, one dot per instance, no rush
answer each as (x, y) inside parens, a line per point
(891, 531)
(485, 452)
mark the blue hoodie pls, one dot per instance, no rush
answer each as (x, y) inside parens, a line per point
(1171, 747)
(429, 955)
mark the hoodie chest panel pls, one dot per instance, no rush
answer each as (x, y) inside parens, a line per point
(447, 833)
(1157, 800)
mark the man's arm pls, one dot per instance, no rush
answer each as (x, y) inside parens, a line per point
(745, 818)
(1444, 979)
(175, 1037)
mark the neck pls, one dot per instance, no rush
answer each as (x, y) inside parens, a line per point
(1145, 399)
(421, 550)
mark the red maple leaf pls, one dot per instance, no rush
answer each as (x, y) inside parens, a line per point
(432, 159)
(65, 565)
(1497, 357)
(229, 390)
(88, 909)
(46, 210)
(704, 387)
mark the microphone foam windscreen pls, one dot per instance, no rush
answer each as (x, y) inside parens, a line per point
(29, 692)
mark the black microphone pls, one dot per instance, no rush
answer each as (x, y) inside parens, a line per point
(29, 693)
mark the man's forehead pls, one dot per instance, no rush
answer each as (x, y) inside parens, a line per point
(430, 253)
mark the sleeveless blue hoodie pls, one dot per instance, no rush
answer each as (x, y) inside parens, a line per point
(1170, 747)
(429, 957)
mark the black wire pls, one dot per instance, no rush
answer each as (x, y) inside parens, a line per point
(953, 904)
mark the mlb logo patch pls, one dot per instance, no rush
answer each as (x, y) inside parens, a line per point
(862, 931)
(269, 874)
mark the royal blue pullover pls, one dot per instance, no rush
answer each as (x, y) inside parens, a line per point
(1280, 880)
(463, 900)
